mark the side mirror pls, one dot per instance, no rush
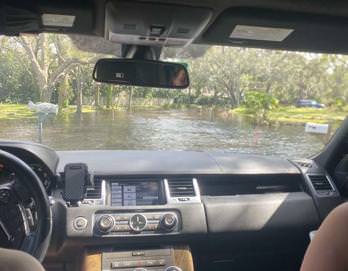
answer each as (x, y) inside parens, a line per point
(141, 73)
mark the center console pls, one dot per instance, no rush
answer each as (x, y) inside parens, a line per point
(160, 259)
(119, 211)
(123, 206)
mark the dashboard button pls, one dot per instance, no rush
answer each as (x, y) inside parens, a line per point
(122, 222)
(149, 263)
(183, 199)
(152, 227)
(154, 216)
(117, 217)
(138, 253)
(116, 265)
(124, 264)
(80, 223)
(161, 262)
(106, 223)
(121, 228)
(169, 221)
(122, 217)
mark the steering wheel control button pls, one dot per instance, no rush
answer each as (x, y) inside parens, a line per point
(168, 222)
(138, 223)
(80, 223)
(5, 196)
(106, 223)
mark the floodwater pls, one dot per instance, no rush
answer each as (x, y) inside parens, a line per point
(166, 130)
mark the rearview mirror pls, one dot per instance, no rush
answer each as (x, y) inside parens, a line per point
(141, 73)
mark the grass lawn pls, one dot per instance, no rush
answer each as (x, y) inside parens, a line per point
(15, 111)
(291, 114)
(21, 111)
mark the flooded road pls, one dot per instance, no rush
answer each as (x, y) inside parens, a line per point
(166, 130)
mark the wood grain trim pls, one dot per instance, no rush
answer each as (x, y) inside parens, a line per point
(92, 262)
(183, 258)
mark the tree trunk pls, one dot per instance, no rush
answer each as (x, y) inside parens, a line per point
(189, 94)
(79, 102)
(60, 101)
(109, 97)
(63, 94)
(97, 96)
(79, 92)
(130, 98)
(41, 57)
(45, 95)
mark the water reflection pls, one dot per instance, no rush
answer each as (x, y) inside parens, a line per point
(163, 130)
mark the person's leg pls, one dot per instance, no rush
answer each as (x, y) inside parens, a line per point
(15, 260)
(328, 250)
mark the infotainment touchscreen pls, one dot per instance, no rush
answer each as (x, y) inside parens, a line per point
(133, 193)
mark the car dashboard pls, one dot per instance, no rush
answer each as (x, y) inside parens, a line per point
(158, 210)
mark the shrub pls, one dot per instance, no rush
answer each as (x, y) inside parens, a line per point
(259, 103)
(211, 100)
(339, 104)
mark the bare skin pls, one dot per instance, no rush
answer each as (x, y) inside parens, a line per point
(328, 251)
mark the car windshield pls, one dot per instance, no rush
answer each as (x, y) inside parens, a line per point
(243, 100)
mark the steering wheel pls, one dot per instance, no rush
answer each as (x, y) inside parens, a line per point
(31, 205)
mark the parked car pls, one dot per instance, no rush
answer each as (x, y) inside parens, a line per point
(309, 103)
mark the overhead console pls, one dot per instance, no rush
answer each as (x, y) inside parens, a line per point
(153, 24)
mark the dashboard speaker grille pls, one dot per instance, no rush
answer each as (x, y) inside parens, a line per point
(320, 183)
(181, 188)
(94, 191)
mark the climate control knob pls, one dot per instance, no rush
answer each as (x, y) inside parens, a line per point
(169, 221)
(138, 223)
(106, 223)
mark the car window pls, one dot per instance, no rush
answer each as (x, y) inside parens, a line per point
(240, 100)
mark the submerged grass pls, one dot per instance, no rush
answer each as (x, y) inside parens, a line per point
(291, 114)
(21, 111)
(15, 111)
(282, 114)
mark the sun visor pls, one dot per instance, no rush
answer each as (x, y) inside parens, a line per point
(274, 29)
(154, 24)
(67, 19)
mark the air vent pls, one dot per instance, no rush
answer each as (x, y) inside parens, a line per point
(94, 191)
(182, 190)
(321, 183)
